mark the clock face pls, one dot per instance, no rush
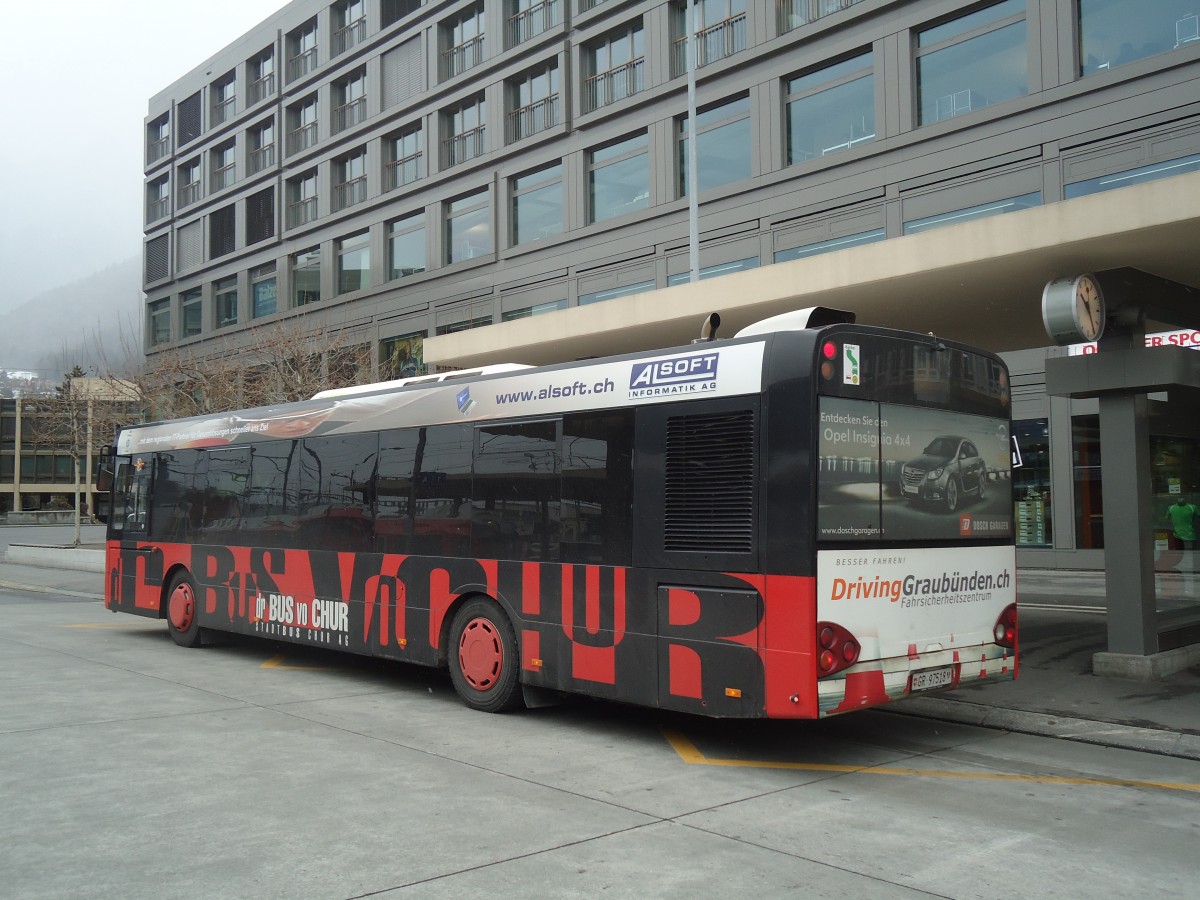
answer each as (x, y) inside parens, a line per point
(1089, 308)
(1073, 309)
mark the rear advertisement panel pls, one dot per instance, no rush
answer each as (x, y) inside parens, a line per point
(893, 472)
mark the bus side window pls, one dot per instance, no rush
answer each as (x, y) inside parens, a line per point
(597, 487)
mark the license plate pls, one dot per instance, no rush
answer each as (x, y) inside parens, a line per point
(910, 490)
(929, 679)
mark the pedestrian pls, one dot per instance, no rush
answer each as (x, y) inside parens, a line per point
(1182, 514)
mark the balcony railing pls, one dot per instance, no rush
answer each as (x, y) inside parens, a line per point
(349, 114)
(531, 22)
(794, 13)
(458, 59)
(402, 171)
(301, 64)
(615, 84)
(718, 41)
(156, 150)
(349, 192)
(261, 88)
(301, 212)
(301, 138)
(461, 147)
(351, 34)
(157, 208)
(189, 193)
(533, 118)
(223, 109)
(223, 177)
(262, 158)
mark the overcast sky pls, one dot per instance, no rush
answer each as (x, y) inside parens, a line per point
(77, 76)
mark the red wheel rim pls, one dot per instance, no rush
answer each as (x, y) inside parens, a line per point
(182, 607)
(481, 654)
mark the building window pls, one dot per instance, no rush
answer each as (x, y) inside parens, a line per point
(460, 323)
(468, 227)
(158, 139)
(537, 309)
(392, 11)
(405, 158)
(351, 94)
(1031, 483)
(351, 185)
(402, 356)
(260, 216)
(1138, 175)
(618, 179)
(262, 291)
(223, 97)
(302, 199)
(223, 159)
(722, 145)
(464, 127)
(534, 102)
(831, 109)
(302, 50)
(794, 13)
(158, 198)
(227, 302)
(190, 313)
(720, 32)
(1112, 33)
(222, 231)
(616, 67)
(306, 277)
(189, 183)
(191, 119)
(970, 214)
(529, 18)
(302, 125)
(972, 62)
(462, 42)
(262, 146)
(613, 293)
(189, 245)
(261, 77)
(350, 25)
(537, 204)
(158, 257)
(406, 246)
(354, 263)
(715, 271)
(160, 322)
(831, 245)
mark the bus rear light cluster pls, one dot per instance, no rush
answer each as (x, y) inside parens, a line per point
(837, 649)
(1005, 631)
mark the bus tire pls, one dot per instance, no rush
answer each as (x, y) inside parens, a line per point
(483, 657)
(183, 612)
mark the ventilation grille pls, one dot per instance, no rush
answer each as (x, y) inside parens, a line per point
(710, 483)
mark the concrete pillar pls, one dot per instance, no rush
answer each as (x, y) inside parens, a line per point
(1128, 523)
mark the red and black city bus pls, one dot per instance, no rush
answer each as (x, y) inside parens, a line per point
(798, 521)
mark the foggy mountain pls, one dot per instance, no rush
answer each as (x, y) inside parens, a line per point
(94, 323)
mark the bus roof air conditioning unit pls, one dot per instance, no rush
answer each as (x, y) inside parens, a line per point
(799, 320)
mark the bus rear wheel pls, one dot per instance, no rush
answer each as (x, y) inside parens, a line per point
(483, 657)
(183, 616)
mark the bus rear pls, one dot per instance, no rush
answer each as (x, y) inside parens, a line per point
(916, 562)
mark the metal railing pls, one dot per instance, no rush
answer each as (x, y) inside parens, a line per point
(615, 84)
(346, 37)
(349, 192)
(794, 13)
(223, 109)
(222, 177)
(461, 147)
(261, 88)
(533, 118)
(301, 64)
(301, 212)
(402, 171)
(156, 150)
(188, 193)
(458, 59)
(349, 114)
(531, 22)
(301, 138)
(262, 158)
(157, 208)
(718, 41)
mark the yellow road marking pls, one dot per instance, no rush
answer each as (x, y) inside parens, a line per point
(691, 755)
(113, 625)
(276, 662)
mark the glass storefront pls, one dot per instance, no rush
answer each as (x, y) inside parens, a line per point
(1031, 483)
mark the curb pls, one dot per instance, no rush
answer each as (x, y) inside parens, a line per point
(1085, 731)
(44, 589)
(76, 559)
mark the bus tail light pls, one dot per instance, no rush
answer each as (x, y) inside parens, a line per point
(1005, 631)
(837, 649)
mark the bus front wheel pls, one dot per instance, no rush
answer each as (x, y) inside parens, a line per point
(483, 657)
(183, 616)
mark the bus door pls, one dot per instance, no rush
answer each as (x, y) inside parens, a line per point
(128, 525)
